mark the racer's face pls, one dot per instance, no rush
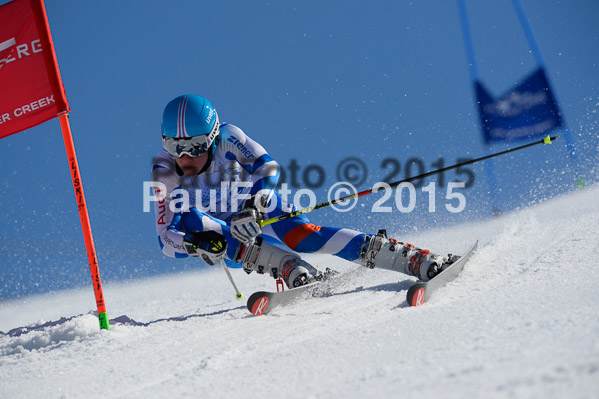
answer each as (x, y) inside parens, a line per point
(192, 166)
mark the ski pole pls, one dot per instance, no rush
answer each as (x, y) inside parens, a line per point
(238, 294)
(546, 140)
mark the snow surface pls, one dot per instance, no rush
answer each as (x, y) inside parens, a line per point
(521, 321)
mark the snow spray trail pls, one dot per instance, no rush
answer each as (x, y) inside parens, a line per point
(65, 329)
(123, 320)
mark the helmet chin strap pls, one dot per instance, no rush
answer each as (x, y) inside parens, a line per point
(211, 153)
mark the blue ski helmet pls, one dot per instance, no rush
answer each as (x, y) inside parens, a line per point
(188, 116)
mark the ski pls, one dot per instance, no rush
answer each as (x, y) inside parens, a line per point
(262, 302)
(422, 291)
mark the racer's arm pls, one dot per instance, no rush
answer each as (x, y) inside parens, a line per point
(168, 223)
(264, 171)
(253, 158)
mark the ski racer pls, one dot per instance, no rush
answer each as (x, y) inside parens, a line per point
(214, 184)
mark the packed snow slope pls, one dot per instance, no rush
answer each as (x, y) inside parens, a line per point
(520, 321)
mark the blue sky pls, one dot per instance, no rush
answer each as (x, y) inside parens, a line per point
(312, 81)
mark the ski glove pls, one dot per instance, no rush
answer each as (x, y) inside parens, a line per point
(208, 245)
(245, 225)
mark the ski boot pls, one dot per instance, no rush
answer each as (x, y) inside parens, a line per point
(387, 253)
(264, 257)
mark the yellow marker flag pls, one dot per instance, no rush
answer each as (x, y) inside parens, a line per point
(547, 140)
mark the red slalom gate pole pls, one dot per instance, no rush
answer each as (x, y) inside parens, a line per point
(84, 217)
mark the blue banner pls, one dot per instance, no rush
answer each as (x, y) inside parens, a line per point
(529, 110)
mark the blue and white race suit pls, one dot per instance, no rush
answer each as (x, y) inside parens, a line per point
(239, 167)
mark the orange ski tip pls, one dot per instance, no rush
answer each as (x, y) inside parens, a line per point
(260, 306)
(418, 298)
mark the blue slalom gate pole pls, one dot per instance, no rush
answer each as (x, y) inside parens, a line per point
(490, 163)
(536, 51)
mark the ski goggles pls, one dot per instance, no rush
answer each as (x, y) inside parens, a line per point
(192, 146)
